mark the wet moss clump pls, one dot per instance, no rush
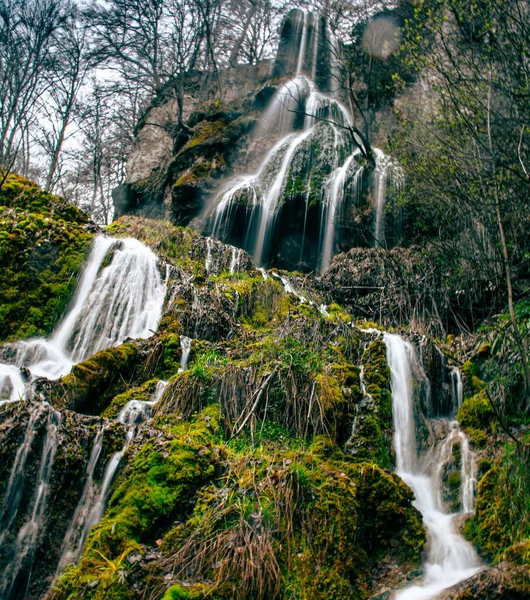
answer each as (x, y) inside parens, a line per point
(143, 393)
(502, 517)
(477, 413)
(43, 245)
(285, 523)
(92, 384)
(372, 431)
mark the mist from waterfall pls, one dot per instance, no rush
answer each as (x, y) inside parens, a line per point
(449, 558)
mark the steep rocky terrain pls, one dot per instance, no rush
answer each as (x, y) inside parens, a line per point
(248, 480)
(340, 415)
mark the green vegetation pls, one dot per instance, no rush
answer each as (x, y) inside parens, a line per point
(501, 525)
(160, 484)
(313, 515)
(43, 245)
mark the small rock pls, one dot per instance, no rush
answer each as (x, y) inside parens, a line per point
(134, 557)
(93, 584)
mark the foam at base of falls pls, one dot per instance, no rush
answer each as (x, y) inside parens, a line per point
(450, 558)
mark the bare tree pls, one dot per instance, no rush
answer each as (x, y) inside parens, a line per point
(28, 33)
(70, 69)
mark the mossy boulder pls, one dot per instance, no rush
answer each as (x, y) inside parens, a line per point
(158, 487)
(476, 413)
(91, 385)
(318, 526)
(43, 245)
(143, 393)
(502, 516)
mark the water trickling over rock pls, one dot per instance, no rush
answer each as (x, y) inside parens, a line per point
(16, 576)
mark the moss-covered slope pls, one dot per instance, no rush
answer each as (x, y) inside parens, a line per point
(43, 243)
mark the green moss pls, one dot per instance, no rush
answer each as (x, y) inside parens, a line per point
(198, 171)
(43, 246)
(91, 385)
(206, 131)
(159, 488)
(179, 592)
(454, 481)
(21, 193)
(502, 516)
(376, 369)
(476, 413)
(319, 525)
(518, 554)
(371, 438)
(368, 444)
(144, 393)
(478, 437)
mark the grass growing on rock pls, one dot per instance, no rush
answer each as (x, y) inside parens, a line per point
(285, 523)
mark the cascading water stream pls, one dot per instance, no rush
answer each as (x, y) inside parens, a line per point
(270, 200)
(450, 559)
(91, 505)
(18, 572)
(120, 295)
(76, 533)
(12, 384)
(185, 344)
(385, 172)
(315, 163)
(13, 493)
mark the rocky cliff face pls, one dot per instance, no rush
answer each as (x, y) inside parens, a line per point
(185, 175)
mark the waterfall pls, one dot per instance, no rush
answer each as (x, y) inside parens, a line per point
(133, 414)
(333, 200)
(121, 280)
(457, 385)
(13, 493)
(385, 172)
(120, 295)
(77, 531)
(450, 559)
(18, 571)
(235, 260)
(315, 141)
